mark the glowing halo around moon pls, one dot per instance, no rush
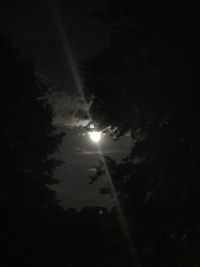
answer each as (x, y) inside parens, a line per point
(95, 136)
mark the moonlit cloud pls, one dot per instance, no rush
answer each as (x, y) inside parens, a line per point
(92, 170)
(69, 110)
(111, 151)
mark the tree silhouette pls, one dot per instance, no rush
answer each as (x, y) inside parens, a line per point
(146, 83)
(34, 229)
(28, 137)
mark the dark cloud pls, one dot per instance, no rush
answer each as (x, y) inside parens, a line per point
(105, 152)
(69, 110)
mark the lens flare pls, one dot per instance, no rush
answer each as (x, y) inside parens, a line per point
(94, 135)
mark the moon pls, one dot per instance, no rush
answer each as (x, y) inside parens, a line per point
(95, 136)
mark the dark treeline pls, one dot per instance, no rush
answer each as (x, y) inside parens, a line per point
(146, 83)
(53, 237)
(34, 229)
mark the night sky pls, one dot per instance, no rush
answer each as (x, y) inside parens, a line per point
(34, 27)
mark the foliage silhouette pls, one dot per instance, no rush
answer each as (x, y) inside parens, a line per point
(146, 83)
(28, 137)
(34, 229)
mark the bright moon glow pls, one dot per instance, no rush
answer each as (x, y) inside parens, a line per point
(95, 136)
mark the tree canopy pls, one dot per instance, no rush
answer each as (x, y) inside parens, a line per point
(34, 229)
(146, 83)
(28, 137)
